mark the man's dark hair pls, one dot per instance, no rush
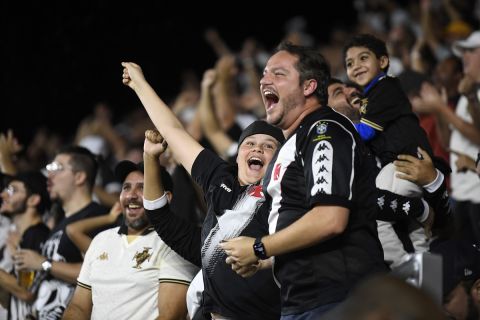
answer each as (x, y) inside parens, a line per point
(81, 159)
(370, 42)
(311, 65)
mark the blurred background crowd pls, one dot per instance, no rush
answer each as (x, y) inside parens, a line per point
(61, 84)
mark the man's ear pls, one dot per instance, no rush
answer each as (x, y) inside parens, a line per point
(169, 196)
(384, 60)
(80, 177)
(309, 87)
(33, 200)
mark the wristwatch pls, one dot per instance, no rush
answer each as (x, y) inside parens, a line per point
(47, 265)
(259, 249)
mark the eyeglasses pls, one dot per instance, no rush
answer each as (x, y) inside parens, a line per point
(11, 190)
(54, 167)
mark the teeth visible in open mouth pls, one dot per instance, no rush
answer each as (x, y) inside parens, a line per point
(255, 161)
(270, 95)
(134, 206)
(355, 100)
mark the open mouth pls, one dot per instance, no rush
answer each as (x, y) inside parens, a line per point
(270, 97)
(255, 163)
(134, 207)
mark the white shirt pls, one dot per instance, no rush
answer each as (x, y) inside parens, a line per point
(124, 277)
(465, 185)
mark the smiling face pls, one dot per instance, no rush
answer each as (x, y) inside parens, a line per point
(131, 199)
(363, 66)
(254, 155)
(345, 100)
(281, 90)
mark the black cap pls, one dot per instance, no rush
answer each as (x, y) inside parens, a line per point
(461, 262)
(261, 127)
(36, 183)
(123, 169)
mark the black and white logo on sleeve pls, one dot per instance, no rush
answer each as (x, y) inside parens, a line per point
(322, 163)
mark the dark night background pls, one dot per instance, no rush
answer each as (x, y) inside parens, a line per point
(60, 58)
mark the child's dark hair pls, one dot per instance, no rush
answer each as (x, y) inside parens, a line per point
(370, 42)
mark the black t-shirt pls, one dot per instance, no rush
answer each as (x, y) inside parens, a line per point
(386, 109)
(324, 162)
(55, 294)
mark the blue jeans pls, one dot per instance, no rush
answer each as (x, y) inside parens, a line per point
(312, 314)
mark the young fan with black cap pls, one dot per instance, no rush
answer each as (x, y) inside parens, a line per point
(25, 200)
(234, 197)
(128, 271)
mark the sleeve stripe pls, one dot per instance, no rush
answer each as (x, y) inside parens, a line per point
(83, 285)
(167, 280)
(371, 124)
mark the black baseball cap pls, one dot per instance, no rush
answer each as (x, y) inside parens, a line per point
(125, 167)
(262, 127)
(461, 262)
(36, 183)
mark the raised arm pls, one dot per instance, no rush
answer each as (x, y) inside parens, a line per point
(183, 146)
(220, 141)
(183, 237)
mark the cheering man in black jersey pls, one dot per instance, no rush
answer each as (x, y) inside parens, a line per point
(321, 183)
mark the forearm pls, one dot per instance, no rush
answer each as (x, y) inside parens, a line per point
(65, 271)
(9, 283)
(319, 224)
(183, 237)
(210, 126)
(153, 186)
(224, 106)
(183, 146)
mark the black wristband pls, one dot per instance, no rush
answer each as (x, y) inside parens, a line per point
(259, 249)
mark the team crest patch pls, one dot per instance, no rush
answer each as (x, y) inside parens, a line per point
(321, 129)
(141, 257)
(363, 105)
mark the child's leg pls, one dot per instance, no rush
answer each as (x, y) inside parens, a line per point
(393, 251)
(392, 246)
(387, 179)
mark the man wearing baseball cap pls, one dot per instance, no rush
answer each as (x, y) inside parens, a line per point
(128, 271)
(461, 278)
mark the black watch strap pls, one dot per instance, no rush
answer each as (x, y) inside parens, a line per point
(259, 249)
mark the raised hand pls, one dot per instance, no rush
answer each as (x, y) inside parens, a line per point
(132, 75)
(154, 144)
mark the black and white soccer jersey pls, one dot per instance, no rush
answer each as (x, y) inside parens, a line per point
(233, 211)
(324, 162)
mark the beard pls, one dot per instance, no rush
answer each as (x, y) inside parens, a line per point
(19, 208)
(139, 223)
